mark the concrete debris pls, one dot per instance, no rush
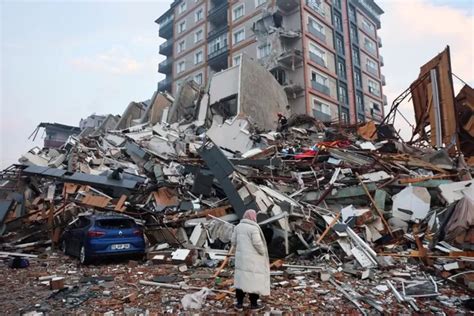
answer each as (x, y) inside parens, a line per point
(349, 212)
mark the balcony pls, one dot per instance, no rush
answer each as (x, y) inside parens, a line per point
(217, 58)
(372, 70)
(383, 80)
(166, 28)
(317, 59)
(166, 66)
(216, 32)
(317, 33)
(290, 59)
(322, 116)
(379, 41)
(320, 87)
(167, 48)
(218, 14)
(165, 84)
(381, 61)
(287, 6)
(385, 102)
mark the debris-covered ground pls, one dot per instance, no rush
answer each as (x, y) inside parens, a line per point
(356, 220)
(115, 286)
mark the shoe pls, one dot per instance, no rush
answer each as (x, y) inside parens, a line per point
(239, 307)
(256, 308)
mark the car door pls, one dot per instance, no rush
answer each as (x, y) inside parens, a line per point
(77, 235)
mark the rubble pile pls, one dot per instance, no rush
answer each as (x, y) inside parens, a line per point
(351, 213)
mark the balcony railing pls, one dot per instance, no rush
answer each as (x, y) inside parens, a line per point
(287, 5)
(383, 80)
(385, 102)
(217, 52)
(317, 33)
(317, 59)
(379, 41)
(381, 61)
(165, 84)
(216, 32)
(166, 48)
(219, 12)
(165, 66)
(320, 87)
(166, 28)
(322, 116)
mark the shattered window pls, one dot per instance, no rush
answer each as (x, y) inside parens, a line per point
(198, 78)
(264, 50)
(116, 223)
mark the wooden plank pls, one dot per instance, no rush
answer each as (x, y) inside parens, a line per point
(121, 201)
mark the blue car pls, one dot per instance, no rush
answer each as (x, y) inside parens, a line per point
(93, 236)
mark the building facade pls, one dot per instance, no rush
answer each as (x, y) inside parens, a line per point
(325, 53)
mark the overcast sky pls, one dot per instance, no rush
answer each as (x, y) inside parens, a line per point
(63, 60)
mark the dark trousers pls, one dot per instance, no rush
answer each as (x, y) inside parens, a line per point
(241, 295)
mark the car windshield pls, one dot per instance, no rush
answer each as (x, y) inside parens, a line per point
(115, 223)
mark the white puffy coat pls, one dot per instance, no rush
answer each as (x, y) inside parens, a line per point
(252, 267)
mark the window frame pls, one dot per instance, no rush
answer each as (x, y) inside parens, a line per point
(178, 68)
(238, 6)
(182, 30)
(180, 49)
(241, 30)
(196, 18)
(201, 31)
(201, 52)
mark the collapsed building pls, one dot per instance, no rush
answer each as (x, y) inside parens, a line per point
(330, 197)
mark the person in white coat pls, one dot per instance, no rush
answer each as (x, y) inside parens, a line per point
(252, 267)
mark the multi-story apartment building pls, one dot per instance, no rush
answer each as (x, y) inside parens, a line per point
(325, 53)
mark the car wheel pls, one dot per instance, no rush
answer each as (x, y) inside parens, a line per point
(64, 247)
(83, 258)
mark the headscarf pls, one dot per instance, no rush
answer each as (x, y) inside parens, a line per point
(250, 215)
